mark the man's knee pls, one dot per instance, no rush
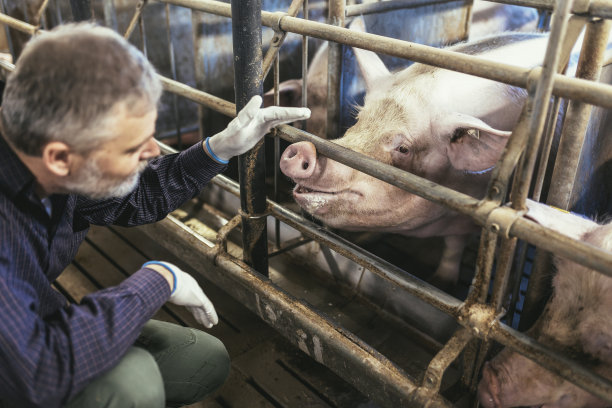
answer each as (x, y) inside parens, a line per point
(134, 383)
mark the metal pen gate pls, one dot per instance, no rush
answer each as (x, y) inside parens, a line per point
(479, 314)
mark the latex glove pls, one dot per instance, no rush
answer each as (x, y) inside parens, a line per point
(187, 292)
(249, 126)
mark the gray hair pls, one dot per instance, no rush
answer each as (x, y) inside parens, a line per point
(68, 81)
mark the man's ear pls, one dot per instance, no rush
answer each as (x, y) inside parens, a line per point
(57, 158)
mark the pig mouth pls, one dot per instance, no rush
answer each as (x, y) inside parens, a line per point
(300, 190)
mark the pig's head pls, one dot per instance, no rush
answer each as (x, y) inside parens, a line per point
(576, 323)
(447, 127)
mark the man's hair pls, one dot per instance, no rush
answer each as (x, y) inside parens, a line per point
(67, 85)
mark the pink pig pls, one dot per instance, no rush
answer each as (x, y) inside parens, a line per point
(575, 322)
(442, 125)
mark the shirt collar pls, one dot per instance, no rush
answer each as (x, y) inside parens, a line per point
(15, 177)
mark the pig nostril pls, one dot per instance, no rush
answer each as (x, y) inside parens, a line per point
(305, 166)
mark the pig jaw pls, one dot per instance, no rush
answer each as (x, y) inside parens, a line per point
(511, 380)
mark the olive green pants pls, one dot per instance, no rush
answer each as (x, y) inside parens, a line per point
(168, 366)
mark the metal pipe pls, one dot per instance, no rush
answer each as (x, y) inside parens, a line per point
(334, 71)
(135, 18)
(566, 164)
(177, 118)
(482, 319)
(541, 101)
(246, 34)
(596, 94)
(384, 6)
(552, 360)
(19, 25)
(277, 40)
(577, 117)
(345, 354)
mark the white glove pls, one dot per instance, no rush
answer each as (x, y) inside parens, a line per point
(249, 126)
(187, 292)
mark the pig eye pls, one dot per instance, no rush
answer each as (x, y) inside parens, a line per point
(403, 149)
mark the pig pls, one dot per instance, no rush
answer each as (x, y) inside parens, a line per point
(575, 322)
(442, 125)
(490, 18)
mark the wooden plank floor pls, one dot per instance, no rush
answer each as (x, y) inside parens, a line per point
(266, 371)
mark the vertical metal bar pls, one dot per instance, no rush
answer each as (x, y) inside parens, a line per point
(542, 98)
(566, 164)
(277, 154)
(577, 117)
(246, 33)
(81, 9)
(143, 38)
(177, 118)
(334, 71)
(110, 15)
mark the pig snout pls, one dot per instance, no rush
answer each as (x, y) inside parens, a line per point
(299, 160)
(489, 388)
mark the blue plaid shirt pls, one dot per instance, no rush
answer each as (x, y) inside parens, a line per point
(50, 350)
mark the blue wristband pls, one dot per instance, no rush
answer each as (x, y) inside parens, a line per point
(213, 155)
(165, 266)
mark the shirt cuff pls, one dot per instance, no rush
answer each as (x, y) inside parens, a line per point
(196, 161)
(152, 288)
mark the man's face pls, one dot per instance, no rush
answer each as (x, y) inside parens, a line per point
(113, 169)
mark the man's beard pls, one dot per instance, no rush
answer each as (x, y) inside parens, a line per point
(91, 182)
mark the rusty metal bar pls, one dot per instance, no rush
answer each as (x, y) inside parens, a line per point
(587, 91)
(135, 18)
(246, 34)
(348, 356)
(432, 379)
(482, 319)
(39, 14)
(334, 71)
(566, 163)
(479, 210)
(19, 25)
(541, 101)
(277, 40)
(577, 117)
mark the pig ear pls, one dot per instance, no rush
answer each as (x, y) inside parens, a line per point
(290, 94)
(371, 66)
(473, 146)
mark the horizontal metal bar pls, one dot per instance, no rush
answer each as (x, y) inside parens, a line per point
(329, 344)
(384, 6)
(552, 360)
(593, 93)
(19, 25)
(596, 8)
(498, 331)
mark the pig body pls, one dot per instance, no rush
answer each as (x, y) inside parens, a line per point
(490, 18)
(574, 322)
(441, 125)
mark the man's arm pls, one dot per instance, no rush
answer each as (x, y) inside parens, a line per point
(167, 183)
(46, 361)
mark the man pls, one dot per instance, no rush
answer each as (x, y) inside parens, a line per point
(77, 148)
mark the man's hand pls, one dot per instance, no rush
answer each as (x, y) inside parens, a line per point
(246, 129)
(186, 292)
